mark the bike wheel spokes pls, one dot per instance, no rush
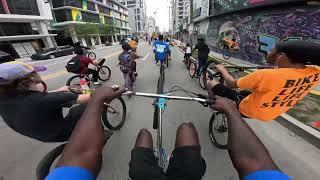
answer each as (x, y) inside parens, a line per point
(115, 114)
(220, 129)
(192, 69)
(104, 73)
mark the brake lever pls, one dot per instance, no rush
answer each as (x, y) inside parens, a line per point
(208, 101)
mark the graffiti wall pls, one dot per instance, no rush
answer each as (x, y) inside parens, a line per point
(259, 30)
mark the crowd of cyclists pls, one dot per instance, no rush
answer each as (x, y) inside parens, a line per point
(39, 115)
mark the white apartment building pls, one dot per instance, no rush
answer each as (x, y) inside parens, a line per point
(151, 26)
(180, 10)
(137, 15)
(200, 16)
(23, 27)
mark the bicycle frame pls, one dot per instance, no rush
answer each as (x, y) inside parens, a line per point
(161, 103)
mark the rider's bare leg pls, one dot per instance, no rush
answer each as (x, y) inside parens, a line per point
(187, 135)
(144, 139)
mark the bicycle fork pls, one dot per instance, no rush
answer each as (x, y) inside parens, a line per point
(161, 152)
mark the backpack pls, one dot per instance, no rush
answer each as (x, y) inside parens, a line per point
(74, 65)
(126, 64)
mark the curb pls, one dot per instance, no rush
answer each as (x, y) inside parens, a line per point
(308, 133)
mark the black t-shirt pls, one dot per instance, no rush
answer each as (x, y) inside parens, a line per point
(203, 51)
(36, 115)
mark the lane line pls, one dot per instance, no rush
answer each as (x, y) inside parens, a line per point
(53, 75)
(146, 56)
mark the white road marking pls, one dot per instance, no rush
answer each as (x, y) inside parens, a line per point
(145, 57)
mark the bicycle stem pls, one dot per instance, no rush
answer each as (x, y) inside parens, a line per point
(150, 95)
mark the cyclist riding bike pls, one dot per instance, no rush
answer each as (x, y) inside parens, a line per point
(274, 91)
(82, 154)
(187, 52)
(128, 66)
(203, 54)
(79, 48)
(81, 64)
(161, 49)
(36, 114)
(169, 52)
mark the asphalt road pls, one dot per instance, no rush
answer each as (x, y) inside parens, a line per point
(19, 155)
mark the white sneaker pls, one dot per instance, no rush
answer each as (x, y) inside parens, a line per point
(97, 83)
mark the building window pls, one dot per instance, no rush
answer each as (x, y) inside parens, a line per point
(62, 15)
(116, 14)
(138, 11)
(131, 2)
(13, 29)
(73, 3)
(23, 7)
(91, 6)
(109, 3)
(138, 17)
(89, 17)
(104, 10)
(109, 20)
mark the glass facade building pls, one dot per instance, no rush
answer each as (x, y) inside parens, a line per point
(69, 13)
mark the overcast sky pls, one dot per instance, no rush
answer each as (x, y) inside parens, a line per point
(162, 15)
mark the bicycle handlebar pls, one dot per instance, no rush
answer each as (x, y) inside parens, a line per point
(203, 99)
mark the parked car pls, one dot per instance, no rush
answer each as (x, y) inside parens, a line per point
(54, 52)
(5, 57)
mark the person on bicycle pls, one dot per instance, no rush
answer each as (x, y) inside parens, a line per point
(169, 52)
(87, 66)
(203, 54)
(274, 91)
(81, 156)
(36, 114)
(79, 48)
(161, 49)
(128, 65)
(133, 44)
(187, 52)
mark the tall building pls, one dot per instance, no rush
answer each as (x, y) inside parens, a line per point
(151, 26)
(23, 27)
(200, 16)
(180, 10)
(107, 20)
(137, 15)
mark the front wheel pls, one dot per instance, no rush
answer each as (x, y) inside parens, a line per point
(92, 55)
(192, 69)
(41, 87)
(75, 85)
(114, 115)
(218, 130)
(203, 79)
(104, 73)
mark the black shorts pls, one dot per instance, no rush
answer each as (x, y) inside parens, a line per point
(223, 91)
(185, 163)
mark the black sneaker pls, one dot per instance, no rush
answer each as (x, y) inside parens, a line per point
(135, 74)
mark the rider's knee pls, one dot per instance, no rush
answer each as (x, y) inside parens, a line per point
(145, 132)
(186, 127)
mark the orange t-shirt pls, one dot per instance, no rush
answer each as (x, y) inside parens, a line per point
(275, 91)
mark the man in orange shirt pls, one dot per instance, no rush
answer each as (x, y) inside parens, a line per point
(274, 91)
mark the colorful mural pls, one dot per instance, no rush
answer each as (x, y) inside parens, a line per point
(258, 31)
